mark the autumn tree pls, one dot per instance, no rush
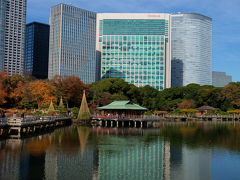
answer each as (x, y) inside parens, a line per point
(38, 93)
(3, 92)
(3, 95)
(70, 88)
(42, 92)
(231, 94)
(23, 96)
(186, 104)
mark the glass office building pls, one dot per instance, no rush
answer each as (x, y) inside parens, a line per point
(72, 44)
(37, 50)
(2, 32)
(135, 47)
(191, 49)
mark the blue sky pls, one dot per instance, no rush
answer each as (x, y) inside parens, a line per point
(225, 15)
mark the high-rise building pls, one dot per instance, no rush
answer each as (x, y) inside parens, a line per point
(37, 50)
(191, 49)
(2, 31)
(14, 15)
(220, 79)
(72, 43)
(135, 47)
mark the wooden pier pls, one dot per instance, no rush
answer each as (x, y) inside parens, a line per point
(154, 121)
(126, 121)
(17, 127)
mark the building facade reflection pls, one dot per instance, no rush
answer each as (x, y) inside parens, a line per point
(105, 153)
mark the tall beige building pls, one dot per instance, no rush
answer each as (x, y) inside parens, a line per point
(12, 28)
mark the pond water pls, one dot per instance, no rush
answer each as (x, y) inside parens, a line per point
(186, 152)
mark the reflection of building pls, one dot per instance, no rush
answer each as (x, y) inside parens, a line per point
(10, 166)
(135, 47)
(72, 43)
(59, 165)
(37, 50)
(128, 158)
(10, 161)
(51, 165)
(220, 79)
(17, 164)
(191, 49)
(79, 161)
(195, 164)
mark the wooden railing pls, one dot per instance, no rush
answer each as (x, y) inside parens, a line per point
(33, 120)
(155, 117)
(127, 117)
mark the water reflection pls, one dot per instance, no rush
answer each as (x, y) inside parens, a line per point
(76, 152)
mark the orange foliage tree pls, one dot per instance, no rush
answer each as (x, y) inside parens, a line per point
(37, 92)
(9, 84)
(70, 88)
(3, 92)
(42, 92)
(3, 95)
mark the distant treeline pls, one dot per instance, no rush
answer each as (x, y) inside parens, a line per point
(27, 93)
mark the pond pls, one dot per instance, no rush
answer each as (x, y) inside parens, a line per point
(181, 152)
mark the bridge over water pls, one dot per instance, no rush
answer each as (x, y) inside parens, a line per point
(16, 127)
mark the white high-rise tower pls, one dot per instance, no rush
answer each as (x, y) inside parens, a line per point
(12, 40)
(191, 49)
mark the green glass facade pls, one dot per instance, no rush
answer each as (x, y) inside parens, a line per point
(134, 50)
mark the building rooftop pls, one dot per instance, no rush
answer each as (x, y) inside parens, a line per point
(122, 105)
(205, 108)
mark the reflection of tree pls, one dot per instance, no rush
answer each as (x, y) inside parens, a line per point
(188, 131)
(83, 133)
(37, 146)
(226, 136)
(67, 140)
(2, 154)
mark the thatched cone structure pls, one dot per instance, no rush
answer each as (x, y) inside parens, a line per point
(84, 113)
(51, 107)
(83, 133)
(61, 103)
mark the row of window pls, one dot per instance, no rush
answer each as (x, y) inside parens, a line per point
(132, 38)
(134, 54)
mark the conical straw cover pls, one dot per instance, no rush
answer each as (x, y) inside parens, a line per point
(61, 102)
(51, 107)
(84, 113)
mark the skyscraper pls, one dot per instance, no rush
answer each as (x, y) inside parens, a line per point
(191, 49)
(37, 50)
(2, 31)
(135, 47)
(220, 79)
(72, 43)
(13, 19)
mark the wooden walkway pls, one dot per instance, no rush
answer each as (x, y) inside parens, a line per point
(18, 126)
(152, 121)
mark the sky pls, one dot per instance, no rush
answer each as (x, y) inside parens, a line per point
(225, 15)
